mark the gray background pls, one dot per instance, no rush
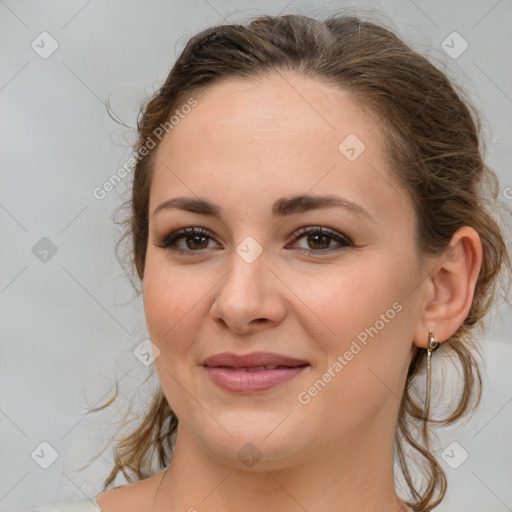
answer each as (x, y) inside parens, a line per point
(70, 323)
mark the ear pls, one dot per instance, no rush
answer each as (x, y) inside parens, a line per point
(451, 286)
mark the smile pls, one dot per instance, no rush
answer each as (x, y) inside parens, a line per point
(253, 372)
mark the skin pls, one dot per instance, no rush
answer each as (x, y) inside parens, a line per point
(245, 145)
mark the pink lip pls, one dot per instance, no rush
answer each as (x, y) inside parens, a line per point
(228, 370)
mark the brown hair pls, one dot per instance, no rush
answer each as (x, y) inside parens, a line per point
(433, 140)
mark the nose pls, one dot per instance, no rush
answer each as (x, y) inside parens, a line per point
(249, 297)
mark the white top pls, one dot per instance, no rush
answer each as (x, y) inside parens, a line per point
(71, 506)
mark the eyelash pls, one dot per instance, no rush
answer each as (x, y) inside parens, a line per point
(168, 241)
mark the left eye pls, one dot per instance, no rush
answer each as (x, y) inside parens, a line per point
(319, 239)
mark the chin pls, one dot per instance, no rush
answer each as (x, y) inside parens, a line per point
(254, 445)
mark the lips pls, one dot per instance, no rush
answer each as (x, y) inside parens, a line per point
(253, 361)
(252, 373)
(261, 368)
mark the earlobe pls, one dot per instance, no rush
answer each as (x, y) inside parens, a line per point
(453, 281)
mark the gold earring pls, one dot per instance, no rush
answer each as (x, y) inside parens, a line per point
(432, 345)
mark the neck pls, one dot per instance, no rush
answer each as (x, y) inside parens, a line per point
(354, 476)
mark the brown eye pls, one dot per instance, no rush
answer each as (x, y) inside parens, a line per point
(187, 240)
(195, 241)
(320, 240)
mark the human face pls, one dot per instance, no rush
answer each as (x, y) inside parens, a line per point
(347, 308)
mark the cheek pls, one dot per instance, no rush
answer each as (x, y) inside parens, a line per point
(172, 306)
(170, 303)
(365, 334)
(350, 297)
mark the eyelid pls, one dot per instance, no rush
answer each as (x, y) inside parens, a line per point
(324, 230)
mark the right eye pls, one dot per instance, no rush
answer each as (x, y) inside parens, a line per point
(186, 240)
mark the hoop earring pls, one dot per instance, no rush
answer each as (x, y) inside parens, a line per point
(433, 343)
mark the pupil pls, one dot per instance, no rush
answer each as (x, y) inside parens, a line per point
(324, 245)
(195, 238)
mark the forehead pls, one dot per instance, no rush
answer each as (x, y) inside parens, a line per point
(283, 133)
(276, 103)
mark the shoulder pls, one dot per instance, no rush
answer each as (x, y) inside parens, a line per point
(118, 499)
(72, 506)
(136, 496)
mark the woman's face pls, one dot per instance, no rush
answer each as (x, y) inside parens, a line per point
(258, 276)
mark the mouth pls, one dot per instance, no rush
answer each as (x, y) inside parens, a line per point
(258, 368)
(250, 373)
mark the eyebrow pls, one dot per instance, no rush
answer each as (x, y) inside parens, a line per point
(281, 207)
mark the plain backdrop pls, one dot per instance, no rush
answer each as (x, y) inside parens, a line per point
(70, 319)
